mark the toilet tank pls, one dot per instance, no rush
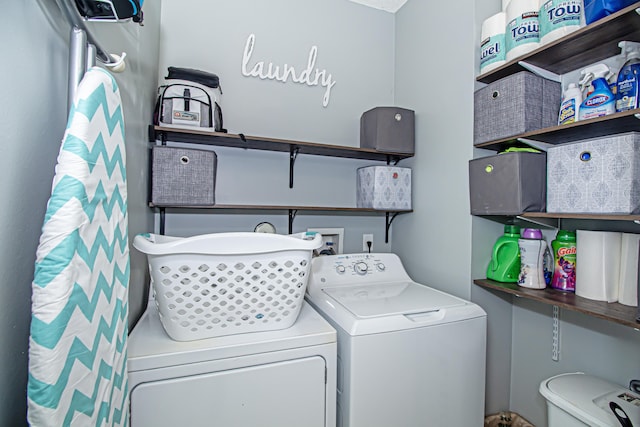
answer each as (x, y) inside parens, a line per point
(577, 400)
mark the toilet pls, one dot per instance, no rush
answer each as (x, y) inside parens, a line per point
(578, 400)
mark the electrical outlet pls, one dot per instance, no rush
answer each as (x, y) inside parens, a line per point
(367, 238)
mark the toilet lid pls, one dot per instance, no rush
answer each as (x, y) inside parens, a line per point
(587, 398)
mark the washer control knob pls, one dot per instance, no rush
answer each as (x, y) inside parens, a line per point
(340, 269)
(361, 268)
(380, 266)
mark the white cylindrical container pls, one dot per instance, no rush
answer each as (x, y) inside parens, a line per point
(534, 253)
(559, 18)
(505, 3)
(523, 31)
(598, 264)
(492, 42)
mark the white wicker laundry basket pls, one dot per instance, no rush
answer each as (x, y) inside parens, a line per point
(228, 283)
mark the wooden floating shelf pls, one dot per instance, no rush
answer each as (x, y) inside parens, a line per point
(300, 209)
(614, 312)
(203, 136)
(592, 128)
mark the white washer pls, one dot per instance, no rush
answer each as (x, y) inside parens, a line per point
(283, 378)
(408, 355)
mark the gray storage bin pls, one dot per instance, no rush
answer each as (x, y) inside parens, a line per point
(508, 184)
(598, 175)
(388, 129)
(182, 176)
(513, 105)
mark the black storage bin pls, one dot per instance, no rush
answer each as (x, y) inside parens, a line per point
(182, 176)
(388, 129)
(513, 105)
(508, 184)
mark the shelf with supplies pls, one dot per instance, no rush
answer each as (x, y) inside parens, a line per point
(614, 312)
(577, 221)
(626, 121)
(208, 137)
(588, 45)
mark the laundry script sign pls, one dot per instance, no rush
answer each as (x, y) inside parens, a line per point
(310, 75)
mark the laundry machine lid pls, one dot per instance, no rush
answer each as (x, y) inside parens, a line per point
(149, 346)
(384, 299)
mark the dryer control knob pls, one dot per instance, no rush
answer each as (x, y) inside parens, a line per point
(340, 269)
(380, 266)
(361, 268)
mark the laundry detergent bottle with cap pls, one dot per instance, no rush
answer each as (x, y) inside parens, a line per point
(628, 83)
(564, 261)
(601, 101)
(505, 259)
(534, 260)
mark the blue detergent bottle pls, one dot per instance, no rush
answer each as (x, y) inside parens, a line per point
(601, 101)
(628, 83)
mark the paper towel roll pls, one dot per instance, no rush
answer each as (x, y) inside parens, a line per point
(523, 32)
(628, 285)
(492, 44)
(598, 264)
(559, 18)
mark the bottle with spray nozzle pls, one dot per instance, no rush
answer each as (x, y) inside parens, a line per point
(628, 83)
(570, 106)
(601, 101)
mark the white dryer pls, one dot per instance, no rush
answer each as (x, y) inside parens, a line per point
(284, 378)
(408, 355)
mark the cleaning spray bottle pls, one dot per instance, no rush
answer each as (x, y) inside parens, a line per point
(628, 84)
(601, 101)
(570, 106)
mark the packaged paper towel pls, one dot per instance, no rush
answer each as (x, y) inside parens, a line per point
(598, 264)
(492, 42)
(628, 286)
(559, 18)
(523, 28)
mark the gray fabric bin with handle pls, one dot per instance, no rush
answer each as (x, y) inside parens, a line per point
(513, 105)
(182, 176)
(508, 184)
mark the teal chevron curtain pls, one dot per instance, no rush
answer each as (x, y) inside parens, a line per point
(78, 342)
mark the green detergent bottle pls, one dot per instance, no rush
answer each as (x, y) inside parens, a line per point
(505, 260)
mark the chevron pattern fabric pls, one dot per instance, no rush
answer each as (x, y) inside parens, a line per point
(78, 343)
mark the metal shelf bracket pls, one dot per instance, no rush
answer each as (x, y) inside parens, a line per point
(293, 155)
(292, 216)
(388, 220)
(541, 71)
(542, 222)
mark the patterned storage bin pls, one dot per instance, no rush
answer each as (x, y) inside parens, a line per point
(384, 187)
(228, 283)
(599, 175)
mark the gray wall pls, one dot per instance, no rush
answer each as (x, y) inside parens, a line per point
(32, 124)
(376, 59)
(355, 44)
